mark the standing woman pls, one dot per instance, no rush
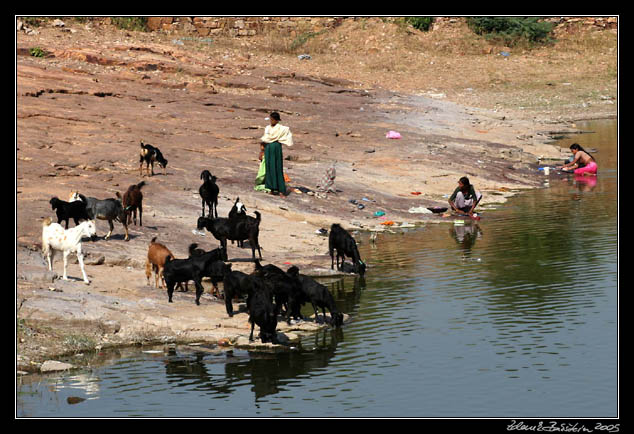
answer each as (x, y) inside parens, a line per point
(274, 136)
(583, 163)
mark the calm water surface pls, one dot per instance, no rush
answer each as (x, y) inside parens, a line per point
(516, 316)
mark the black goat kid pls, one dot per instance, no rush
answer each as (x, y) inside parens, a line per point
(237, 284)
(262, 312)
(216, 272)
(209, 193)
(236, 229)
(75, 210)
(286, 290)
(193, 268)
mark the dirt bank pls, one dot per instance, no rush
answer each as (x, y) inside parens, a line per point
(84, 106)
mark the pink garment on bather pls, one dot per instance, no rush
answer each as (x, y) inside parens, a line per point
(591, 167)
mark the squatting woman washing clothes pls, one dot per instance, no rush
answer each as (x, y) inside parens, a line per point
(583, 163)
(464, 198)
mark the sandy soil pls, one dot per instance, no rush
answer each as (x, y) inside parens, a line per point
(83, 108)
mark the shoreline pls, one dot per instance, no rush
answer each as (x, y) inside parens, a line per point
(101, 330)
(73, 137)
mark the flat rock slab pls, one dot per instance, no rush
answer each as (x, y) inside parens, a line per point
(285, 343)
(32, 273)
(287, 336)
(54, 365)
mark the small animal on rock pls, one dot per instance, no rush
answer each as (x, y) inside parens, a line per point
(341, 241)
(286, 290)
(55, 237)
(237, 228)
(133, 201)
(69, 210)
(237, 284)
(109, 209)
(150, 155)
(262, 313)
(209, 193)
(156, 256)
(319, 297)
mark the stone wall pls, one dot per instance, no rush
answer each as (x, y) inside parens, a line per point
(241, 26)
(598, 22)
(251, 26)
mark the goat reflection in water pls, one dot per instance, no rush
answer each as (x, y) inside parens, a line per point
(267, 373)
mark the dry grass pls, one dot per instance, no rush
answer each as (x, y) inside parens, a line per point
(581, 66)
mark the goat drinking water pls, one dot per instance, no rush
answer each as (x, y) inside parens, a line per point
(341, 241)
(319, 297)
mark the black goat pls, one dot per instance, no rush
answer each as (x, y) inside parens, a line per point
(209, 193)
(69, 210)
(182, 270)
(340, 240)
(237, 284)
(237, 208)
(319, 297)
(286, 290)
(219, 228)
(238, 211)
(217, 254)
(215, 273)
(238, 216)
(193, 268)
(194, 250)
(238, 228)
(262, 312)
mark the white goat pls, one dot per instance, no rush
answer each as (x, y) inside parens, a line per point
(55, 237)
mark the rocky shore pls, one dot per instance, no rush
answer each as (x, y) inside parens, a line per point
(94, 93)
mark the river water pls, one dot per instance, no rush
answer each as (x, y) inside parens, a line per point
(515, 316)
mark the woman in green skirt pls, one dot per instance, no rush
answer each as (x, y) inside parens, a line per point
(274, 136)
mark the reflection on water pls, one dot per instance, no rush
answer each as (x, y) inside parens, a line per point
(514, 315)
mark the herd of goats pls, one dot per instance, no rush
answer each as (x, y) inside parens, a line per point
(269, 290)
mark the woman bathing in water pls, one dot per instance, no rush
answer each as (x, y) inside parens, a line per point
(582, 164)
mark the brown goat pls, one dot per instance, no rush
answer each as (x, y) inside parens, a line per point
(133, 200)
(156, 255)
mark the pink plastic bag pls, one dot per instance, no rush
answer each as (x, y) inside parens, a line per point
(392, 135)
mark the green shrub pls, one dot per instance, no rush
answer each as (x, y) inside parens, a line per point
(32, 21)
(131, 23)
(302, 38)
(79, 343)
(512, 30)
(36, 52)
(420, 23)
